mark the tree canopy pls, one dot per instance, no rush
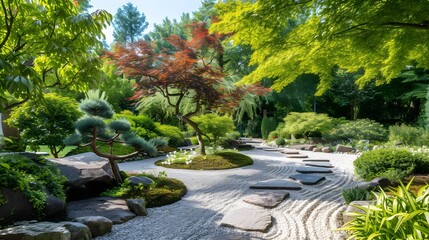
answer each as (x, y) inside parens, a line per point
(129, 24)
(45, 44)
(289, 38)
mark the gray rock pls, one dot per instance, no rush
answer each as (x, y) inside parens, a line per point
(287, 151)
(19, 208)
(367, 185)
(98, 225)
(351, 209)
(87, 174)
(308, 179)
(317, 150)
(326, 149)
(248, 219)
(266, 199)
(319, 164)
(112, 208)
(277, 184)
(309, 147)
(382, 182)
(137, 206)
(145, 181)
(78, 231)
(343, 149)
(36, 231)
(316, 160)
(233, 237)
(296, 156)
(313, 170)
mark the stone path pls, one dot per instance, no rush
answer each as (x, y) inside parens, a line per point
(309, 213)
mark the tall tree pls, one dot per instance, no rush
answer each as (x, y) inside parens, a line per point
(193, 71)
(128, 24)
(381, 37)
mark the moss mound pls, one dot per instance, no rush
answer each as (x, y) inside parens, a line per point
(218, 161)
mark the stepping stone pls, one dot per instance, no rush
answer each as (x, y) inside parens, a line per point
(308, 179)
(271, 149)
(316, 160)
(313, 170)
(280, 184)
(296, 156)
(248, 219)
(266, 199)
(319, 164)
(290, 152)
(230, 236)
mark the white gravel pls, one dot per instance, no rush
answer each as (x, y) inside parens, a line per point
(310, 213)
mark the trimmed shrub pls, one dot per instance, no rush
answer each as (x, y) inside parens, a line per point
(214, 126)
(400, 214)
(362, 129)
(141, 125)
(118, 149)
(394, 164)
(173, 133)
(280, 142)
(268, 125)
(408, 135)
(307, 124)
(355, 194)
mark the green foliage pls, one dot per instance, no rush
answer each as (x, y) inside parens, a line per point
(42, 45)
(394, 164)
(142, 145)
(87, 124)
(141, 125)
(307, 124)
(362, 129)
(128, 24)
(32, 177)
(13, 144)
(175, 136)
(217, 161)
(165, 191)
(355, 194)
(46, 122)
(408, 135)
(268, 125)
(120, 125)
(290, 39)
(118, 149)
(399, 214)
(96, 107)
(214, 126)
(280, 141)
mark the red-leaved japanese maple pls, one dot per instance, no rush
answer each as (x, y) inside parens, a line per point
(190, 69)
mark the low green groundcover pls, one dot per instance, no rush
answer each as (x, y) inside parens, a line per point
(218, 161)
(164, 191)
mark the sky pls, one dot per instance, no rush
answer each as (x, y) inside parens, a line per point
(154, 10)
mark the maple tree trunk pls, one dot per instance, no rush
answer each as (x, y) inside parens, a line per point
(194, 125)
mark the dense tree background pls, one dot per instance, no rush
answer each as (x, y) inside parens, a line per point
(129, 24)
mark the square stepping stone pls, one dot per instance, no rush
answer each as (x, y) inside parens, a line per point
(319, 164)
(248, 219)
(296, 156)
(308, 179)
(316, 160)
(290, 151)
(266, 199)
(280, 184)
(313, 170)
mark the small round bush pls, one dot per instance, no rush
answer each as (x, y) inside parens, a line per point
(280, 142)
(174, 134)
(391, 163)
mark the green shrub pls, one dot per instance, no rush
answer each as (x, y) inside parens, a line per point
(397, 215)
(118, 149)
(32, 177)
(307, 124)
(173, 133)
(268, 125)
(355, 194)
(13, 144)
(391, 163)
(408, 135)
(46, 122)
(280, 142)
(362, 129)
(214, 126)
(141, 125)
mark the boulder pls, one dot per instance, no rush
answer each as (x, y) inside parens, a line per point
(36, 231)
(317, 149)
(115, 209)
(351, 209)
(78, 231)
(137, 206)
(98, 225)
(344, 149)
(382, 182)
(88, 174)
(18, 207)
(368, 185)
(248, 219)
(326, 149)
(145, 181)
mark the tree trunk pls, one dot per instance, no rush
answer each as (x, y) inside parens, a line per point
(194, 125)
(115, 170)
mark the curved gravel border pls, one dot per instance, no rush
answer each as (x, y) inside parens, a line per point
(311, 213)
